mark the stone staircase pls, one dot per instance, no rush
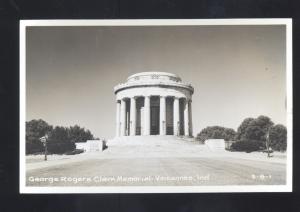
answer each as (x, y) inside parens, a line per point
(153, 140)
(155, 146)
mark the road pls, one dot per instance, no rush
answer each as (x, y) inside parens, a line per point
(159, 171)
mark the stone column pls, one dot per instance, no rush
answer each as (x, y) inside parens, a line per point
(123, 117)
(176, 116)
(190, 118)
(147, 115)
(186, 118)
(162, 116)
(118, 119)
(132, 116)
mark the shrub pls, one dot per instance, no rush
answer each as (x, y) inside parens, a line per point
(246, 146)
(60, 147)
(254, 129)
(216, 132)
(60, 140)
(252, 133)
(278, 137)
(34, 146)
(34, 130)
(75, 152)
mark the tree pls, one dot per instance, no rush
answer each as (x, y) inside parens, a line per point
(252, 131)
(229, 134)
(216, 132)
(35, 129)
(59, 141)
(278, 137)
(242, 129)
(257, 129)
(249, 146)
(78, 134)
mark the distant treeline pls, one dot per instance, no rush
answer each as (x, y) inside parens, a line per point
(60, 139)
(251, 135)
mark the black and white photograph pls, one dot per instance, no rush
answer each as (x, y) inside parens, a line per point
(156, 106)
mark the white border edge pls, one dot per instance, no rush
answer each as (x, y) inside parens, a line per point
(289, 103)
(22, 93)
(156, 189)
(156, 22)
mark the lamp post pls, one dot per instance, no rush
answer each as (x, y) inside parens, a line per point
(268, 141)
(44, 141)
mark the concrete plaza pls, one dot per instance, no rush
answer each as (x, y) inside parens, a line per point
(174, 164)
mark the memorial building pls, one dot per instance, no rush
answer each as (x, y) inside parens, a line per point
(153, 103)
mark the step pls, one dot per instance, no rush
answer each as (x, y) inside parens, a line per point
(150, 140)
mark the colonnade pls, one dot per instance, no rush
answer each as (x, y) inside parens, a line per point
(125, 118)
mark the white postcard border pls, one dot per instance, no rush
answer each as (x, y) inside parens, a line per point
(157, 189)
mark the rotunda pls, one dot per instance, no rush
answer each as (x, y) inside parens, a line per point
(154, 103)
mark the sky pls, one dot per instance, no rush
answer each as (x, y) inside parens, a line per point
(236, 71)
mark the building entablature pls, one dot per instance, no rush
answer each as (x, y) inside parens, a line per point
(128, 85)
(143, 91)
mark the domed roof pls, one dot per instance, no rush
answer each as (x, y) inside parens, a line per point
(154, 75)
(153, 78)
